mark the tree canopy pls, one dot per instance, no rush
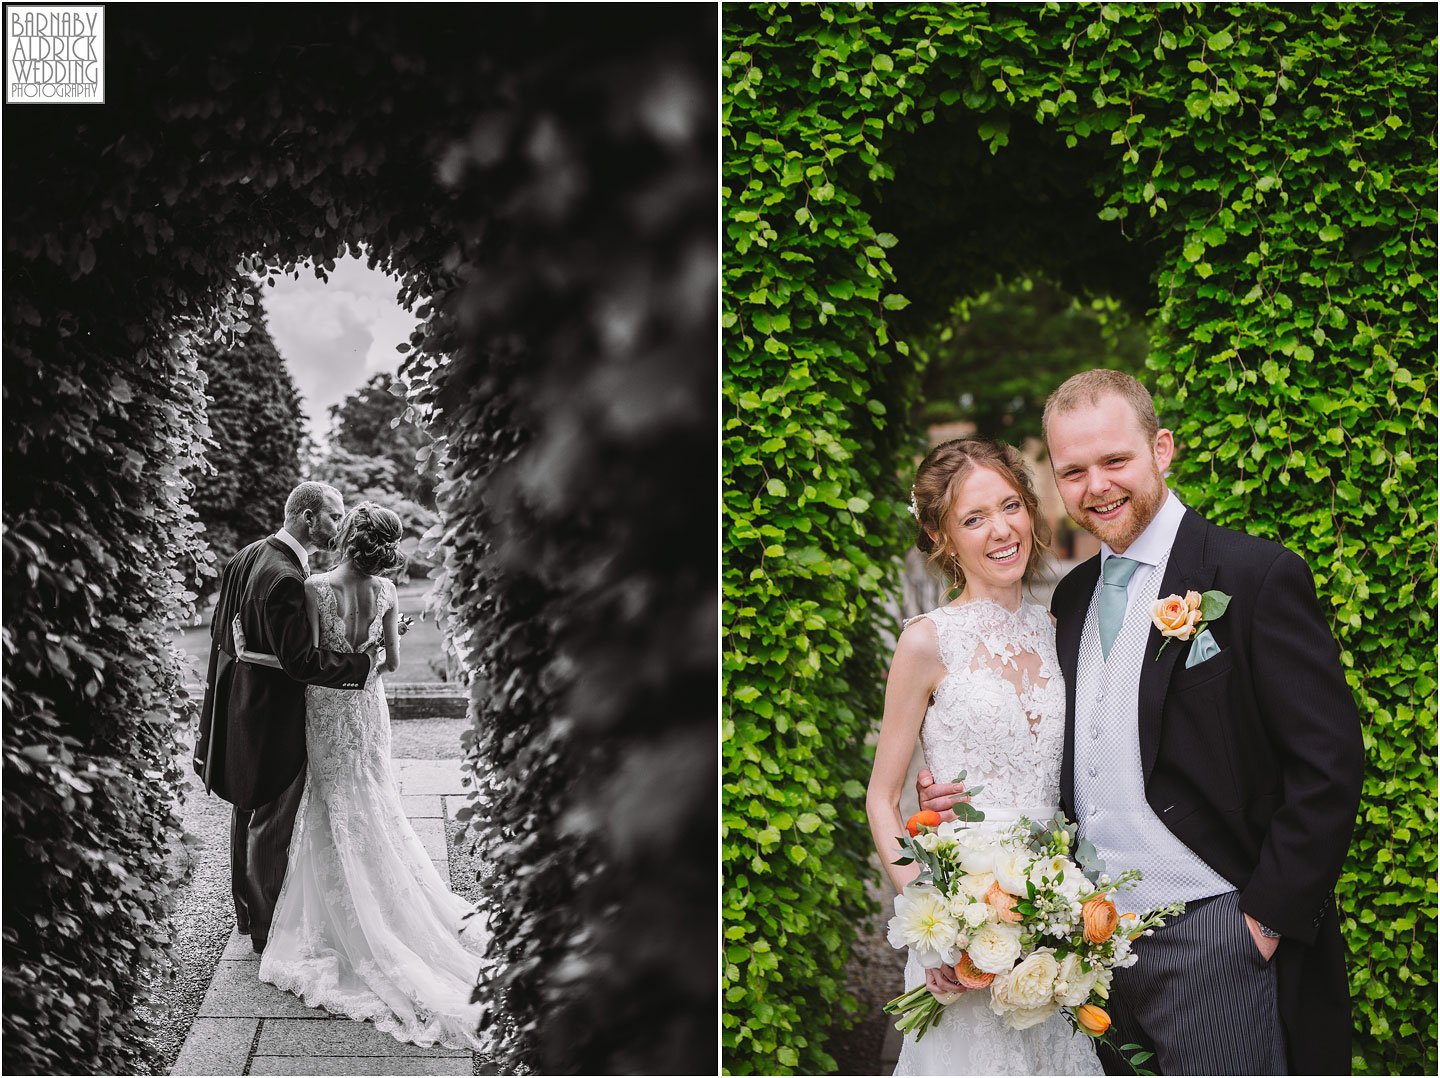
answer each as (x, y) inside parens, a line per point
(374, 421)
(253, 456)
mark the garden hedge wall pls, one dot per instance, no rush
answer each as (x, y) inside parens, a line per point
(1272, 168)
(574, 151)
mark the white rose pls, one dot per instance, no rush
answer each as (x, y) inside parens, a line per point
(977, 884)
(1032, 982)
(1011, 867)
(1003, 1003)
(994, 947)
(1025, 1017)
(977, 913)
(1072, 984)
(978, 860)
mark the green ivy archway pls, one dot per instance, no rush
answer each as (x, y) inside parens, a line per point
(1271, 171)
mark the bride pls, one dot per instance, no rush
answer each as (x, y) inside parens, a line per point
(364, 925)
(978, 682)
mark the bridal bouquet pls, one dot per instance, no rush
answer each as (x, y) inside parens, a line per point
(1026, 912)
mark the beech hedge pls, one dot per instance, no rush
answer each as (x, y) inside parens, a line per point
(1260, 179)
(573, 152)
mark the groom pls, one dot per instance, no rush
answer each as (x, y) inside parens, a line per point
(1227, 769)
(251, 745)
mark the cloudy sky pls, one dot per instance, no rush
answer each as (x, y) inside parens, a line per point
(335, 336)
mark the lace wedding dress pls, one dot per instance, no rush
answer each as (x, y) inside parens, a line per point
(364, 925)
(999, 716)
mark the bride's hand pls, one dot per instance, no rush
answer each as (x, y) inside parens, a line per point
(938, 797)
(941, 982)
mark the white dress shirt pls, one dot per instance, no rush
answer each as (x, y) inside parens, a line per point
(294, 544)
(1149, 548)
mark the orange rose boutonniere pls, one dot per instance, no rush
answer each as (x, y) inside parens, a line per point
(1181, 617)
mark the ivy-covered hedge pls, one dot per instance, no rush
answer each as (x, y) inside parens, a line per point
(229, 147)
(1261, 177)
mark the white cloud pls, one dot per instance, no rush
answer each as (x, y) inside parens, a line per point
(336, 336)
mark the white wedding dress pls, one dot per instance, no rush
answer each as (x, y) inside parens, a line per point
(999, 716)
(364, 925)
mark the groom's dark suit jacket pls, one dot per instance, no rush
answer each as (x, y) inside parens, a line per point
(251, 743)
(1253, 759)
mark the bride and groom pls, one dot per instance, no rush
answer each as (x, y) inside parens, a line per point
(1227, 766)
(330, 881)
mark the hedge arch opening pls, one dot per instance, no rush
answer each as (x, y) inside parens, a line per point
(973, 205)
(543, 182)
(1272, 169)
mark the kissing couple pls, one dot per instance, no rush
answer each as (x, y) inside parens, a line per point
(330, 881)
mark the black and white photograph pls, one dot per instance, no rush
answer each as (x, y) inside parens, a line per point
(360, 485)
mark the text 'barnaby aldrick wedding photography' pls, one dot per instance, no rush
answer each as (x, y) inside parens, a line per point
(54, 55)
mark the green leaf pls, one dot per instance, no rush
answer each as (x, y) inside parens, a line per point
(1213, 604)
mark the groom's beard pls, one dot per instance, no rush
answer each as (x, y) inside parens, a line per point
(1118, 534)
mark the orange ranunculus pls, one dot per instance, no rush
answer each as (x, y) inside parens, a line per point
(968, 975)
(1100, 919)
(1003, 903)
(1092, 1019)
(1175, 617)
(923, 818)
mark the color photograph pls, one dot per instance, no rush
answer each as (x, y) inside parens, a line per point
(1079, 513)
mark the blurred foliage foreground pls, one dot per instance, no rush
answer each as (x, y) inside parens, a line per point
(1257, 179)
(547, 183)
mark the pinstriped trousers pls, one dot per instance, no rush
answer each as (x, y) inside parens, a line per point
(1200, 997)
(259, 848)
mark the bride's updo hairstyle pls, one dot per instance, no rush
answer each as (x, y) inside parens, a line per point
(370, 537)
(937, 485)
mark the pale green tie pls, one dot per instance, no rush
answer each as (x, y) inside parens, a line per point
(1117, 573)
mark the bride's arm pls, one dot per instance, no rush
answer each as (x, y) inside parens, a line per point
(245, 655)
(914, 673)
(312, 613)
(392, 639)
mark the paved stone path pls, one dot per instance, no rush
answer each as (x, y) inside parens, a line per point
(248, 1027)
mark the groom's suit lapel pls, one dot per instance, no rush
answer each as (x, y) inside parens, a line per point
(1070, 624)
(1184, 571)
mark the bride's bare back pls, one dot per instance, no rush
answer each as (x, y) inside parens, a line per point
(358, 599)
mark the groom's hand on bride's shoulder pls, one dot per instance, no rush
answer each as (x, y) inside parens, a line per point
(938, 797)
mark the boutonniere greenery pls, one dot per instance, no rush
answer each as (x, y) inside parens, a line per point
(1181, 617)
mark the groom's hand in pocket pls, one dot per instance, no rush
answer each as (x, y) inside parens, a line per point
(1265, 944)
(938, 797)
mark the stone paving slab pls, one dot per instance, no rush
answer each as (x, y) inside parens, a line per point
(217, 1046)
(239, 949)
(431, 777)
(236, 992)
(297, 1037)
(294, 1038)
(422, 806)
(358, 1065)
(432, 837)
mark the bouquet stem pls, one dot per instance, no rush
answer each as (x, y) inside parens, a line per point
(918, 1009)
